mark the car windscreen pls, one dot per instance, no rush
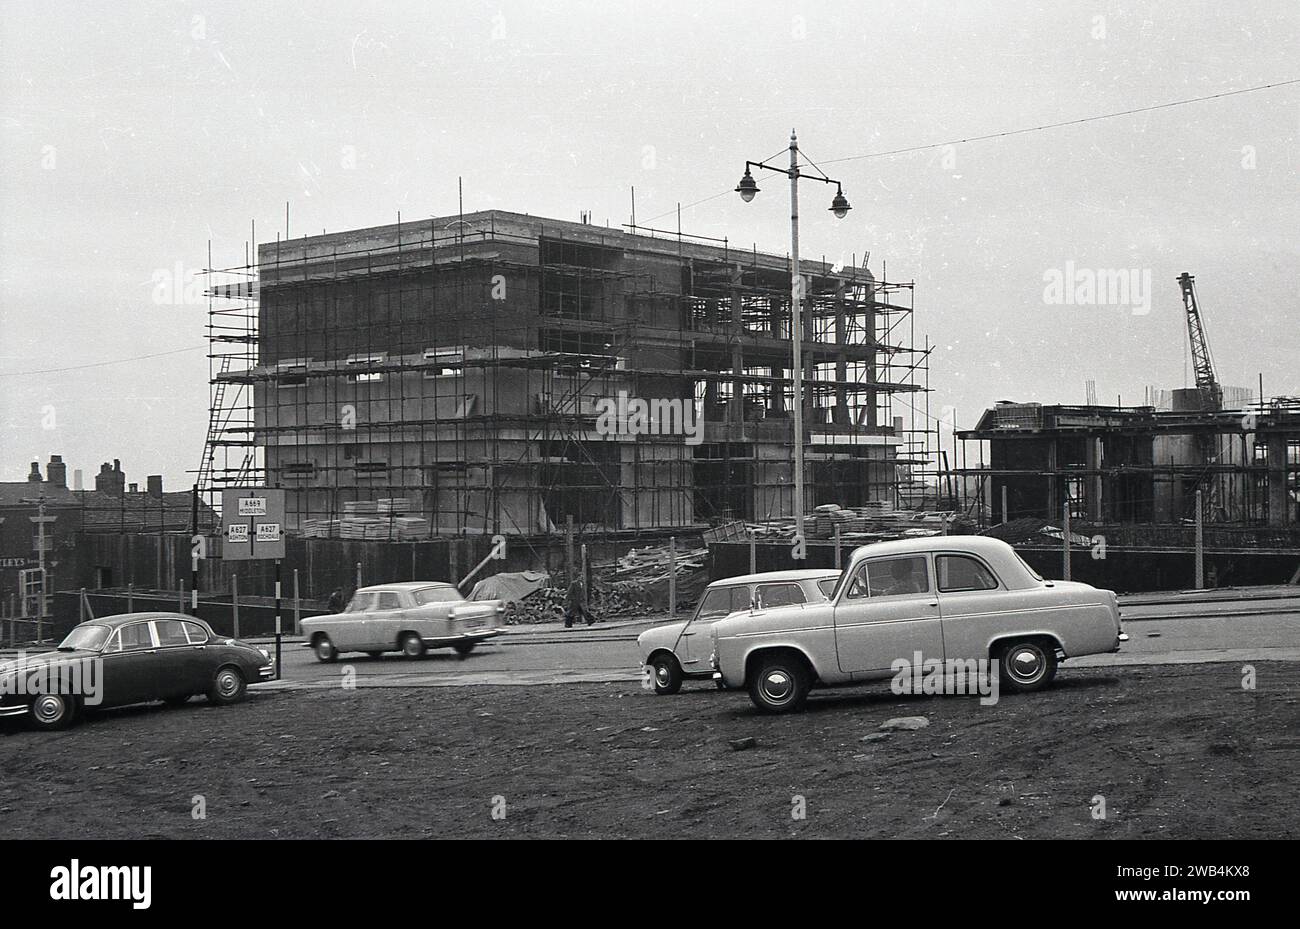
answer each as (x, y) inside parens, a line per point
(436, 595)
(88, 637)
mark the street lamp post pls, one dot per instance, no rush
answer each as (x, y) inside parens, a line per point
(747, 188)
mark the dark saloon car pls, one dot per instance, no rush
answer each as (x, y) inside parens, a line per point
(126, 659)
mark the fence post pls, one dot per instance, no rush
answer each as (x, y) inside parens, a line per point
(359, 575)
(672, 577)
(297, 606)
(1065, 535)
(1200, 544)
(753, 553)
(81, 606)
(837, 548)
(130, 597)
(234, 603)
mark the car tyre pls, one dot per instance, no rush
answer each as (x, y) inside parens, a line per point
(412, 645)
(324, 649)
(52, 711)
(667, 675)
(779, 683)
(228, 687)
(1026, 666)
(464, 649)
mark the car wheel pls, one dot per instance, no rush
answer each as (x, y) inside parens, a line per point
(228, 687)
(779, 683)
(667, 675)
(412, 645)
(52, 711)
(177, 701)
(464, 649)
(325, 650)
(1027, 666)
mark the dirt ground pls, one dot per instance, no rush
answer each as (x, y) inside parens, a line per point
(1175, 751)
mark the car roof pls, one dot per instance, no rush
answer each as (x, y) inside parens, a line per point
(121, 619)
(404, 585)
(803, 574)
(979, 544)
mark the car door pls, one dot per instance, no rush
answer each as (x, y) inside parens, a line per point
(887, 610)
(206, 654)
(348, 631)
(180, 665)
(130, 665)
(384, 620)
(974, 605)
(696, 642)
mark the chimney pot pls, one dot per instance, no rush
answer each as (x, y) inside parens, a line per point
(35, 474)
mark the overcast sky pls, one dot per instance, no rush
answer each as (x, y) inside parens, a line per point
(135, 134)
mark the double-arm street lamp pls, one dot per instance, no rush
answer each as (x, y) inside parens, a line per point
(840, 207)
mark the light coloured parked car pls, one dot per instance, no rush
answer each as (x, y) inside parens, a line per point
(944, 597)
(679, 651)
(410, 618)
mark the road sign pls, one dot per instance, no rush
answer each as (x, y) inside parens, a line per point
(252, 523)
(268, 532)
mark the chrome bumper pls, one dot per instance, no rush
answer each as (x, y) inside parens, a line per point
(13, 710)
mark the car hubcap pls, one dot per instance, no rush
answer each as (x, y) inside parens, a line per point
(48, 709)
(662, 675)
(777, 685)
(1026, 664)
(412, 647)
(323, 649)
(227, 684)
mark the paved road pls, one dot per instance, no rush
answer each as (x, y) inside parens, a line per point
(1193, 632)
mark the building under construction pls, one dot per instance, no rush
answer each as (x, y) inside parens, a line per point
(461, 371)
(1141, 465)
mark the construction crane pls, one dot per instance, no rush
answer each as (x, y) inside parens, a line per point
(1207, 384)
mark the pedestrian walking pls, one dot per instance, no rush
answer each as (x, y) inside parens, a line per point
(577, 604)
(336, 603)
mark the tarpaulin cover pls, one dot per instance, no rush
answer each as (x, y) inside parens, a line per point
(509, 587)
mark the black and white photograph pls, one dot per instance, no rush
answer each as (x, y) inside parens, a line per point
(649, 421)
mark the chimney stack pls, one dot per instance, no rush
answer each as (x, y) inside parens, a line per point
(57, 472)
(111, 480)
(134, 488)
(154, 485)
(35, 476)
(76, 479)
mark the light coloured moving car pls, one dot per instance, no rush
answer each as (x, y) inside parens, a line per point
(410, 618)
(678, 651)
(944, 597)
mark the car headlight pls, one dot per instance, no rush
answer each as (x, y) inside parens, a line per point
(265, 654)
